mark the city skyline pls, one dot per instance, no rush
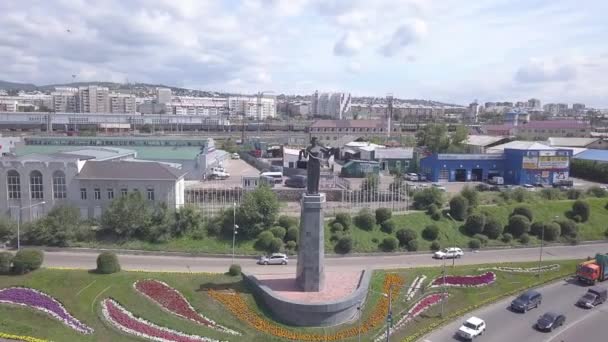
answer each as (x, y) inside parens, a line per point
(440, 50)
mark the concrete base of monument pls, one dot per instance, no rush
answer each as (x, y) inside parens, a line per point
(335, 304)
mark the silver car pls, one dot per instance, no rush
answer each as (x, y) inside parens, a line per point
(274, 259)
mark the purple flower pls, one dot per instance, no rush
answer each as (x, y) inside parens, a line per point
(41, 301)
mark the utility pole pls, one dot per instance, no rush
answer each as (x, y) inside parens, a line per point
(443, 296)
(234, 228)
(389, 317)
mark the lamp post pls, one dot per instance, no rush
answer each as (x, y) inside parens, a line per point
(19, 221)
(360, 309)
(389, 315)
(234, 228)
(454, 258)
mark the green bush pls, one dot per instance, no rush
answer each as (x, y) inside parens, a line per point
(412, 245)
(292, 234)
(278, 232)
(234, 270)
(197, 234)
(524, 238)
(435, 245)
(568, 228)
(596, 191)
(337, 227)
(344, 245)
(383, 214)
(430, 232)
(475, 224)
(577, 218)
(287, 221)
(107, 263)
(365, 220)
(291, 245)
(474, 244)
(336, 236)
(582, 209)
(574, 194)
(507, 237)
(482, 238)
(551, 194)
(459, 207)
(520, 195)
(345, 219)
(406, 235)
(27, 260)
(6, 261)
(471, 195)
(524, 211)
(8, 229)
(518, 225)
(374, 240)
(432, 209)
(388, 226)
(389, 244)
(552, 231)
(492, 228)
(536, 228)
(436, 216)
(606, 233)
(424, 198)
(275, 245)
(263, 241)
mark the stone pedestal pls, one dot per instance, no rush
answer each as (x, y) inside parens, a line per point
(310, 274)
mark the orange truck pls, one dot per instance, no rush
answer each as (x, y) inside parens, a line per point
(593, 270)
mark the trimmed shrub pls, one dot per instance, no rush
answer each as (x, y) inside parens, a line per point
(536, 228)
(474, 244)
(107, 263)
(430, 232)
(432, 209)
(287, 221)
(406, 235)
(412, 245)
(424, 198)
(435, 245)
(344, 245)
(388, 226)
(568, 228)
(574, 194)
(459, 207)
(389, 244)
(6, 261)
(264, 240)
(524, 211)
(337, 227)
(577, 218)
(278, 232)
(374, 240)
(197, 234)
(552, 231)
(582, 209)
(436, 216)
(275, 245)
(596, 191)
(345, 219)
(519, 195)
(551, 194)
(482, 238)
(383, 214)
(291, 245)
(336, 236)
(471, 195)
(492, 229)
(524, 238)
(475, 224)
(365, 220)
(507, 237)
(234, 270)
(292, 234)
(518, 225)
(27, 260)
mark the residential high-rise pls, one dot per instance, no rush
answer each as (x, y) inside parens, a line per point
(248, 106)
(534, 104)
(163, 95)
(578, 107)
(122, 103)
(65, 100)
(335, 105)
(93, 99)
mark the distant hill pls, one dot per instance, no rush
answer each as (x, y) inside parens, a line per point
(6, 85)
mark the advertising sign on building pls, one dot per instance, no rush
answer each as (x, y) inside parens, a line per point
(553, 162)
(560, 176)
(530, 162)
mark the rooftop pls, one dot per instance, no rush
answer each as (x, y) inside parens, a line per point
(556, 124)
(348, 124)
(571, 142)
(124, 170)
(483, 140)
(597, 155)
(395, 153)
(523, 145)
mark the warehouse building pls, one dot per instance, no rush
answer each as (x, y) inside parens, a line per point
(522, 162)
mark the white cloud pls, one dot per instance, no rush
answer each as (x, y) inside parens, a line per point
(540, 70)
(348, 45)
(405, 35)
(354, 67)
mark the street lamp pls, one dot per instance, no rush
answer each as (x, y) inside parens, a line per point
(389, 314)
(19, 220)
(360, 309)
(453, 259)
(234, 228)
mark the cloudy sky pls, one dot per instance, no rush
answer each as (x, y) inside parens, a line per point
(448, 50)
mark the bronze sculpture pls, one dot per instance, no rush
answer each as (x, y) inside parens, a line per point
(315, 154)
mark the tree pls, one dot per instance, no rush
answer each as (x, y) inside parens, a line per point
(389, 244)
(278, 232)
(475, 224)
(412, 245)
(406, 235)
(187, 219)
(387, 226)
(161, 224)
(229, 146)
(435, 245)
(460, 135)
(287, 221)
(258, 211)
(459, 207)
(536, 228)
(471, 195)
(275, 245)
(552, 231)
(518, 225)
(524, 211)
(596, 191)
(264, 240)
(57, 228)
(582, 209)
(127, 216)
(568, 228)
(6, 262)
(345, 219)
(365, 219)
(424, 198)
(383, 214)
(492, 229)
(292, 234)
(434, 137)
(8, 229)
(344, 245)
(474, 244)
(430, 232)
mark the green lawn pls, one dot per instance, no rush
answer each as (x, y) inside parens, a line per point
(81, 292)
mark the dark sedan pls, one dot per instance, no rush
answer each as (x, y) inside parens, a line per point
(550, 321)
(296, 182)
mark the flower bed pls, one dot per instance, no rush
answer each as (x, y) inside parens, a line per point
(126, 322)
(237, 305)
(545, 268)
(418, 308)
(37, 300)
(416, 285)
(465, 281)
(20, 338)
(171, 300)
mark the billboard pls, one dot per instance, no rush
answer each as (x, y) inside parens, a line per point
(530, 162)
(553, 162)
(560, 176)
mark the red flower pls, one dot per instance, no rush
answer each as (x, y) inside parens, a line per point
(479, 280)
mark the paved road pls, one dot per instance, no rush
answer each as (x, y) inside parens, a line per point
(507, 326)
(86, 260)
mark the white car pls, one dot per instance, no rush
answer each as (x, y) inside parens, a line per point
(274, 259)
(472, 328)
(439, 187)
(218, 173)
(411, 177)
(448, 253)
(236, 156)
(529, 187)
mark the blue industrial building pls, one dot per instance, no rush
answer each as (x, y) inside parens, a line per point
(521, 163)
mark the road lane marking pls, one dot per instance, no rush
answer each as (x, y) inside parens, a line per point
(584, 317)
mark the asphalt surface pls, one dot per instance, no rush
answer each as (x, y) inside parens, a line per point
(503, 325)
(86, 260)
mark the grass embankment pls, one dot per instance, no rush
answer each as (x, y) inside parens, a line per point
(81, 293)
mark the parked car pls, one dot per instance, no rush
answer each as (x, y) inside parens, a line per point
(439, 186)
(422, 177)
(235, 156)
(528, 300)
(296, 182)
(529, 187)
(594, 296)
(412, 177)
(472, 328)
(277, 176)
(496, 180)
(550, 321)
(218, 173)
(448, 253)
(274, 259)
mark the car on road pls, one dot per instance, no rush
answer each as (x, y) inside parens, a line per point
(550, 321)
(439, 187)
(412, 177)
(471, 328)
(526, 301)
(448, 253)
(273, 259)
(422, 177)
(296, 182)
(235, 156)
(594, 296)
